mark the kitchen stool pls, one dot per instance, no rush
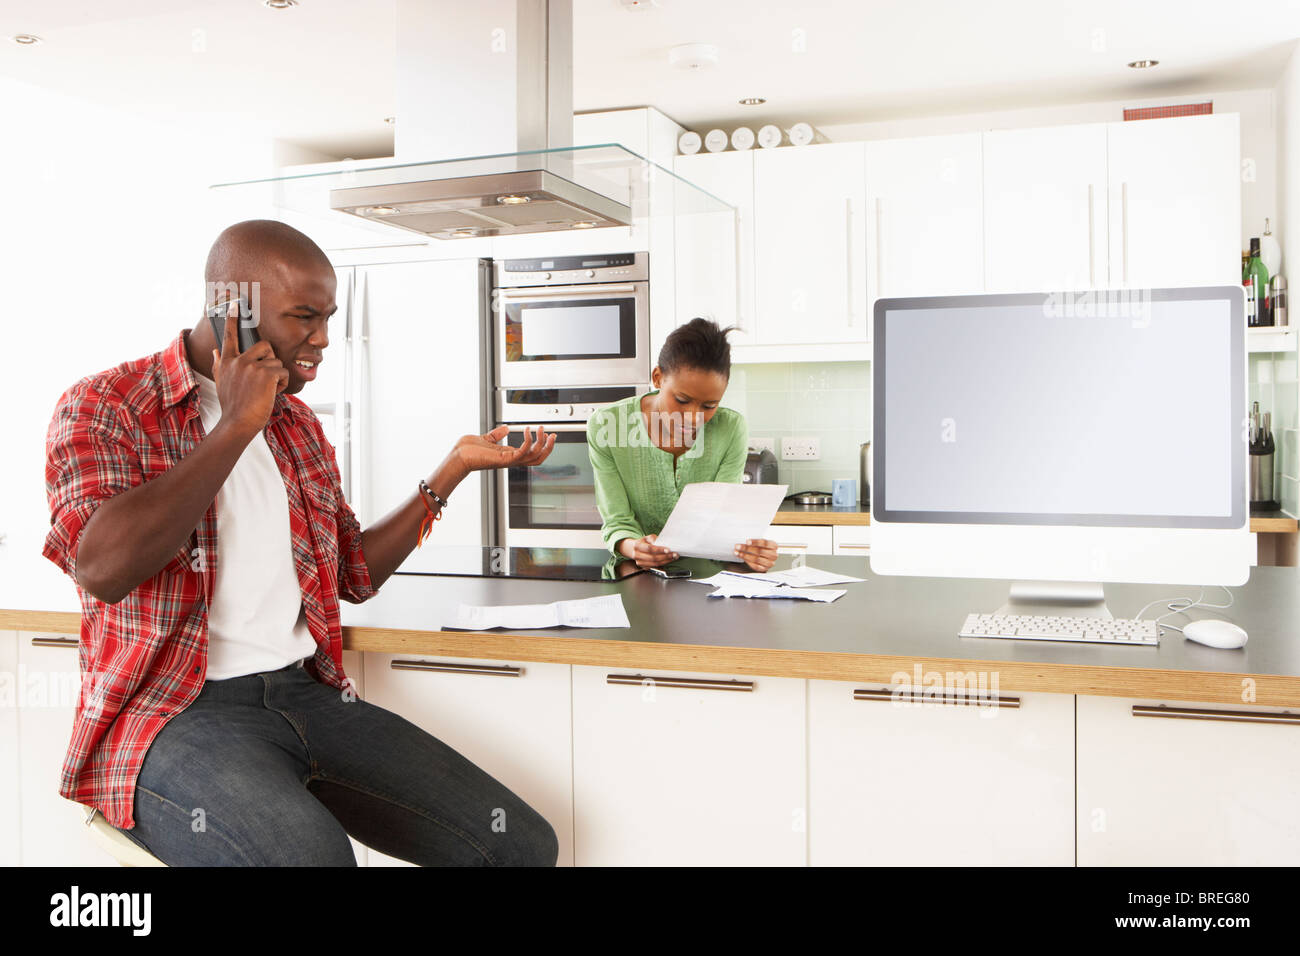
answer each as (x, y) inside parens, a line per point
(117, 844)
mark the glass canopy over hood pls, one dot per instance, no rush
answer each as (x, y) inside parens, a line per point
(567, 190)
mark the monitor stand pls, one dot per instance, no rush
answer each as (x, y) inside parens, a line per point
(1056, 599)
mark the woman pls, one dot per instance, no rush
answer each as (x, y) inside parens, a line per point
(646, 449)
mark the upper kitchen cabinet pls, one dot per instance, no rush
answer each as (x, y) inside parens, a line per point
(1175, 201)
(1045, 209)
(810, 245)
(715, 248)
(924, 202)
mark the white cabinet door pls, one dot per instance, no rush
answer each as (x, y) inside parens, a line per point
(810, 244)
(418, 327)
(1175, 201)
(52, 830)
(1045, 209)
(801, 538)
(896, 783)
(926, 233)
(516, 728)
(1186, 791)
(715, 250)
(10, 778)
(682, 776)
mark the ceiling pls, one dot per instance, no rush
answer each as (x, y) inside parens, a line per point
(321, 75)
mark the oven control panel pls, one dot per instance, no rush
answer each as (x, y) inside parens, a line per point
(571, 270)
(559, 404)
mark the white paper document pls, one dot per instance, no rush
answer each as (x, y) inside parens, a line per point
(712, 517)
(806, 577)
(604, 611)
(729, 584)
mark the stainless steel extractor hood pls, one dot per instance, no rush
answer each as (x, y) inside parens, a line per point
(529, 188)
(497, 204)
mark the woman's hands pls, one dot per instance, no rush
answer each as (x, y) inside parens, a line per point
(758, 553)
(645, 552)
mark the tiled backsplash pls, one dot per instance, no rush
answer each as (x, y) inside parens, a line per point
(829, 401)
(1273, 385)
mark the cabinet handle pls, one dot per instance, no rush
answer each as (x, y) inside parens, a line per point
(740, 325)
(913, 697)
(452, 667)
(783, 544)
(1232, 716)
(55, 642)
(691, 683)
(880, 271)
(857, 547)
(848, 256)
(1123, 218)
(1092, 243)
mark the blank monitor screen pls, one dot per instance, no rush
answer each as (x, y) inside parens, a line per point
(1064, 410)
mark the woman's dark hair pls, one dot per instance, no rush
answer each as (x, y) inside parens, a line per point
(697, 344)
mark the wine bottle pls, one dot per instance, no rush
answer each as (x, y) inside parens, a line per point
(1256, 282)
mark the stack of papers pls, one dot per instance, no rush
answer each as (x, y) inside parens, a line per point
(798, 583)
(604, 611)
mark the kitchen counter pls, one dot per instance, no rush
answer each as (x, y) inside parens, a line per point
(1261, 522)
(882, 627)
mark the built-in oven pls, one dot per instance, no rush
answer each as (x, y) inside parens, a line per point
(572, 320)
(553, 504)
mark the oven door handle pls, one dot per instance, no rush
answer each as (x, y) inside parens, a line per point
(594, 291)
(547, 425)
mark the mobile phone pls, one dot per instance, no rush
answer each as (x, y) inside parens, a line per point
(670, 572)
(217, 316)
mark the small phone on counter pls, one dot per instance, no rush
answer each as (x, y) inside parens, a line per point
(247, 333)
(672, 572)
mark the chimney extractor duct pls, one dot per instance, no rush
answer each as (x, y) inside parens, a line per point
(518, 199)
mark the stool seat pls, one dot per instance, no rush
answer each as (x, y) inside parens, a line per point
(115, 843)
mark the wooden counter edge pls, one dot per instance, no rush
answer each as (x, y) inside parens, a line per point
(1278, 525)
(1012, 676)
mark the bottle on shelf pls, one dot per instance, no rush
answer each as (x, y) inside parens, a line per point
(1255, 279)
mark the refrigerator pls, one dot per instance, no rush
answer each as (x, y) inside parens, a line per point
(404, 377)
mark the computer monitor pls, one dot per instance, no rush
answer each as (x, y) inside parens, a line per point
(1091, 437)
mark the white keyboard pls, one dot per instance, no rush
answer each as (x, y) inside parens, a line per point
(1090, 630)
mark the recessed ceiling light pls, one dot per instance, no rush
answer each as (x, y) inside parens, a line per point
(514, 200)
(466, 233)
(26, 39)
(280, 4)
(584, 224)
(381, 210)
(753, 101)
(693, 56)
(1143, 64)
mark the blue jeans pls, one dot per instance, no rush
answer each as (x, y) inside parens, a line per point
(276, 769)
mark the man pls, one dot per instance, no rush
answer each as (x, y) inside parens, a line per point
(197, 506)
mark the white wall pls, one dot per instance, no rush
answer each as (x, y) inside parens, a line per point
(1287, 102)
(1259, 141)
(106, 224)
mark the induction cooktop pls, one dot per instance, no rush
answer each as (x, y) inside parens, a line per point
(558, 564)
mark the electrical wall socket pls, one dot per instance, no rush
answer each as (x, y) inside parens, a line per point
(763, 444)
(801, 449)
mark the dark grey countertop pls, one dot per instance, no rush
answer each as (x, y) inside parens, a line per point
(901, 619)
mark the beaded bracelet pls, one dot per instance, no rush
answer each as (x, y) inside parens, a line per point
(426, 523)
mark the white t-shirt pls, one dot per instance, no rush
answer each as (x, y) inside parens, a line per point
(256, 620)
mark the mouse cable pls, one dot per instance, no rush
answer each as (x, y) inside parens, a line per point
(1181, 605)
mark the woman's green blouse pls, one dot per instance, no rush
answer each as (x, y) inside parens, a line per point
(637, 484)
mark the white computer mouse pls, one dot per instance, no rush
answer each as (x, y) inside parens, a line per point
(1214, 633)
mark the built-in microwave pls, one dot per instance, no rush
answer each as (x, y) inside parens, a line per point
(572, 320)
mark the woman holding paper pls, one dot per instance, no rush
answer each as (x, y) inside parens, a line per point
(646, 449)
